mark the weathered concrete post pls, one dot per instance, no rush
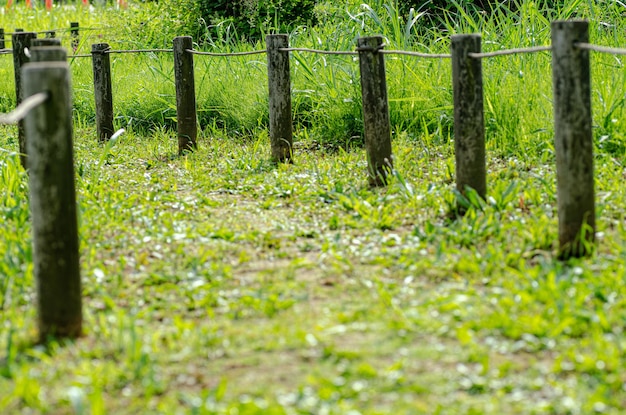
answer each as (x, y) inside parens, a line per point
(102, 91)
(53, 201)
(21, 42)
(375, 109)
(573, 140)
(279, 81)
(185, 95)
(469, 124)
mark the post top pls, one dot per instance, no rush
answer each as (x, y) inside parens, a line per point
(460, 36)
(99, 47)
(571, 22)
(18, 33)
(370, 39)
(276, 36)
(46, 42)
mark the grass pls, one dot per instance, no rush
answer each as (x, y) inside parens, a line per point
(220, 283)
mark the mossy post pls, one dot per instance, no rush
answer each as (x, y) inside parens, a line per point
(53, 201)
(48, 54)
(21, 41)
(469, 123)
(376, 124)
(185, 95)
(102, 90)
(74, 27)
(48, 41)
(573, 140)
(279, 81)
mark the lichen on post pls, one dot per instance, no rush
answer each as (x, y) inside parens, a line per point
(185, 95)
(279, 81)
(469, 124)
(573, 139)
(376, 123)
(53, 201)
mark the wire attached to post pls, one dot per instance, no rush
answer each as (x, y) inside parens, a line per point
(20, 112)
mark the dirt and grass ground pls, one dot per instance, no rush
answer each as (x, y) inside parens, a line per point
(219, 281)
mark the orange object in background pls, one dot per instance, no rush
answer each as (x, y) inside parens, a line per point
(122, 4)
(48, 4)
(9, 3)
(85, 2)
(29, 4)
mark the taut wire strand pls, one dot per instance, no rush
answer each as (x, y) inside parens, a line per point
(140, 51)
(418, 54)
(603, 49)
(254, 52)
(23, 109)
(323, 52)
(504, 52)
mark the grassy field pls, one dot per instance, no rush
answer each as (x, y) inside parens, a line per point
(218, 283)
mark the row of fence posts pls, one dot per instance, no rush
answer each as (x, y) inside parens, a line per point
(572, 122)
(48, 141)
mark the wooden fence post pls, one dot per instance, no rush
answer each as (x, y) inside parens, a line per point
(48, 41)
(53, 201)
(21, 42)
(375, 109)
(102, 91)
(48, 54)
(573, 141)
(2, 44)
(279, 81)
(469, 123)
(74, 35)
(50, 34)
(185, 95)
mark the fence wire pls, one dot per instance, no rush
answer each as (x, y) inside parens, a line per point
(42, 32)
(322, 52)
(515, 51)
(253, 52)
(139, 51)
(418, 54)
(474, 55)
(602, 49)
(23, 109)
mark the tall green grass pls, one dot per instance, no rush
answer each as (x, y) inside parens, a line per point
(232, 92)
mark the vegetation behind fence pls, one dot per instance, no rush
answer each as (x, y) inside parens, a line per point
(329, 113)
